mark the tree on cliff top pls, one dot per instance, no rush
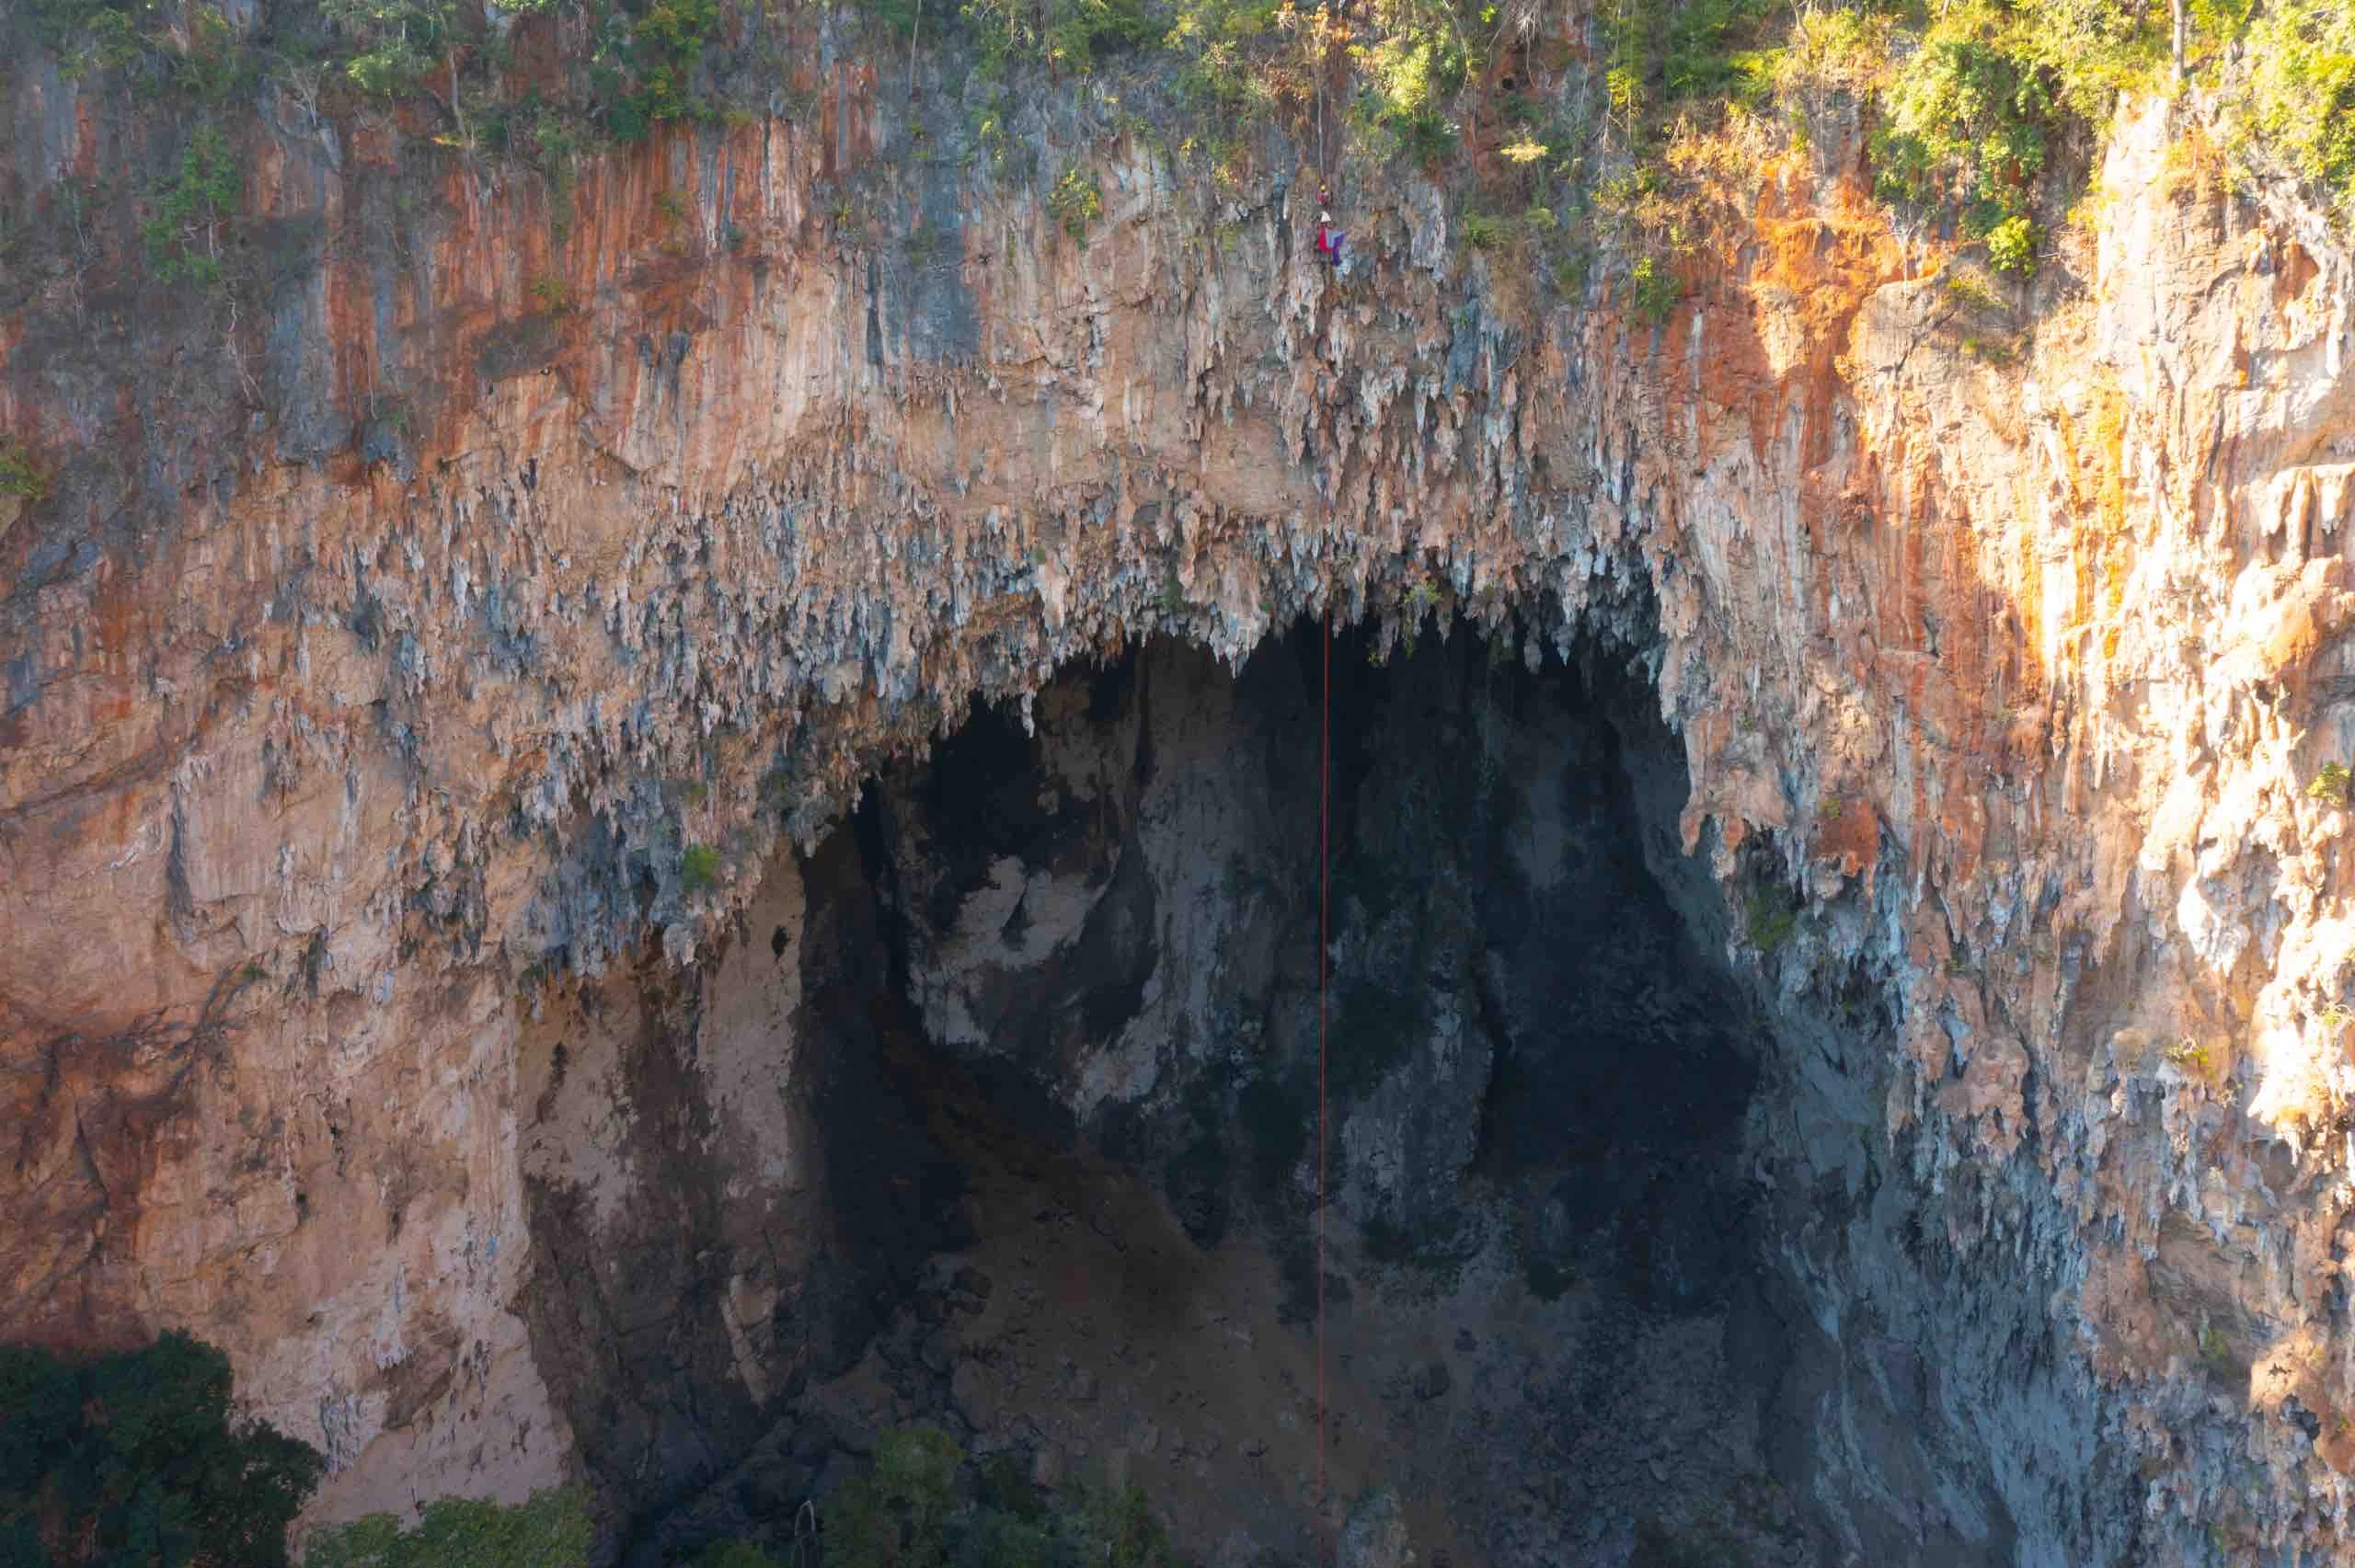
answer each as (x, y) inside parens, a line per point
(132, 1458)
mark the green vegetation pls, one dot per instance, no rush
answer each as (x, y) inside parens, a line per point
(2215, 1355)
(211, 66)
(910, 1512)
(1976, 112)
(1077, 200)
(1417, 62)
(1224, 49)
(1655, 289)
(551, 1531)
(553, 295)
(2294, 103)
(188, 211)
(1665, 55)
(1770, 918)
(735, 1554)
(2012, 245)
(1830, 53)
(1972, 114)
(2331, 785)
(641, 65)
(897, 1514)
(19, 476)
(132, 1458)
(698, 867)
(1068, 35)
(1534, 223)
(98, 35)
(643, 58)
(1969, 290)
(1967, 120)
(391, 44)
(200, 56)
(645, 64)
(1980, 114)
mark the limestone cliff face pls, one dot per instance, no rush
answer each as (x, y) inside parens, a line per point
(431, 674)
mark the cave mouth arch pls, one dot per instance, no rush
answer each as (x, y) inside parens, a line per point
(1510, 990)
(1051, 1060)
(1537, 1228)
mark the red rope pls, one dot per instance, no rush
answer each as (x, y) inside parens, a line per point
(1324, 939)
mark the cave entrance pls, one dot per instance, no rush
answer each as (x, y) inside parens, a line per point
(1000, 1114)
(1101, 1008)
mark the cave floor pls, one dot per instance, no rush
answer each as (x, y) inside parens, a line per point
(1084, 1329)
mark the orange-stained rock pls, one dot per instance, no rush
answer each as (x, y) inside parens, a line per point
(731, 482)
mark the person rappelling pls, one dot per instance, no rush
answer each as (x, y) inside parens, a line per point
(1328, 239)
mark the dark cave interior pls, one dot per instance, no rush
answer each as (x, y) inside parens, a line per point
(1056, 1049)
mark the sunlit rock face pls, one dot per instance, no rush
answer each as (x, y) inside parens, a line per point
(424, 708)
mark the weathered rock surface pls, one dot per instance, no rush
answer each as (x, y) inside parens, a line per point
(415, 681)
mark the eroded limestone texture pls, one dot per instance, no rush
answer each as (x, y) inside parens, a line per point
(403, 662)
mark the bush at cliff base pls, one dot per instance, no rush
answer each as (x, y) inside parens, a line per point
(551, 1531)
(132, 1459)
(919, 1507)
